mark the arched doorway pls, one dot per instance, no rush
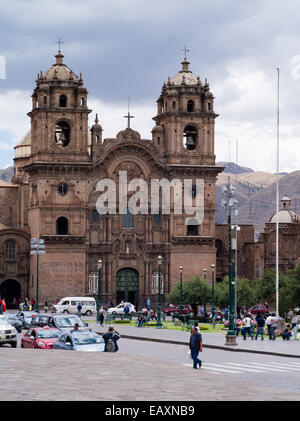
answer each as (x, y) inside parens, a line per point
(10, 289)
(127, 285)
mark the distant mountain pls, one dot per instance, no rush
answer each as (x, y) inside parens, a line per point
(256, 195)
(262, 205)
(7, 174)
(232, 168)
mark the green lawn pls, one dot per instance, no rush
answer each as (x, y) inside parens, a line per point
(204, 327)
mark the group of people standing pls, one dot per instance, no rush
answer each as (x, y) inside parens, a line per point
(271, 322)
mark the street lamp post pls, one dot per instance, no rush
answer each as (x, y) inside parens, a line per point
(204, 277)
(230, 204)
(237, 228)
(99, 267)
(180, 271)
(158, 323)
(37, 248)
(213, 295)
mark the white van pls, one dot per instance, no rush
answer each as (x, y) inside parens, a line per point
(69, 305)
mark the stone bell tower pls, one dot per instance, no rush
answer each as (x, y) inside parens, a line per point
(59, 116)
(184, 129)
(58, 173)
(184, 136)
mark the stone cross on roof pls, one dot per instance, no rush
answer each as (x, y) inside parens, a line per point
(59, 42)
(128, 116)
(185, 51)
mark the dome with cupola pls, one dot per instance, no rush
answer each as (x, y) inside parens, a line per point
(285, 215)
(60, 71)
(184, 76)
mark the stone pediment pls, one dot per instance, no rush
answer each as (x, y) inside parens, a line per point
(128, 134)
(143, 150)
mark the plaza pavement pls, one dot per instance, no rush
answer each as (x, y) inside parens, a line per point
(52, 375)
(217, 340)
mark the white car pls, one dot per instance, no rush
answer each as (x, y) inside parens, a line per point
(120, 309)
(8, 334)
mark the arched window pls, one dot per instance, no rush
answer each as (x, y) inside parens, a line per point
(95, 216)
(62, 226)
(174, 104)
(82, 102)
(190, 137)
(190, 106)
(127, 219)
(10, 251)
(63, 101)
(62, 133)
(45, 100)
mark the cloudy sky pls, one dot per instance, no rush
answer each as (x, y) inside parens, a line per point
(128, 48)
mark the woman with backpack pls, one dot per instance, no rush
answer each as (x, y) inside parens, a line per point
(110, 338)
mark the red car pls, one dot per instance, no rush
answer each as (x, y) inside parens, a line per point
(174, 310)
(258, 309)
(40, 337)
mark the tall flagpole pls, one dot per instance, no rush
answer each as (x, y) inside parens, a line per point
(277, 203)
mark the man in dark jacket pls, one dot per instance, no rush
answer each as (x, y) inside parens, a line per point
(260, 326)
(111, 334)
(195, 347)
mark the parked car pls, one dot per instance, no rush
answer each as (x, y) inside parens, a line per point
(63, 322)
(259, 308)
(174, 311)
(69, 305)
(14, 321)
(26, 317)
(80, 341)
(119, 309)
(40, 337)
(8, 334)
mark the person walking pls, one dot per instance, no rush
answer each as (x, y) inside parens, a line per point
(295, 326)
(195, 347)
(260, 326)
(101, 315)
(269, 325)
(247, 328)
(46, 307)
(1, 308)
(110, 338)
(79, 307)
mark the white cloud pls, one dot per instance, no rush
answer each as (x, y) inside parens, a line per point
(14, 106)
(111, 117)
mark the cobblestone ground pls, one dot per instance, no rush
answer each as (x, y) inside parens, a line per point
(43, 375)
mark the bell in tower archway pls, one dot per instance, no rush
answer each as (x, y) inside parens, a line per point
(190, 142)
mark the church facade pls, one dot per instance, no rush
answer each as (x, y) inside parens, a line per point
(55, 190)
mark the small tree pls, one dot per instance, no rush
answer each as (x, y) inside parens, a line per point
(195, 291)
